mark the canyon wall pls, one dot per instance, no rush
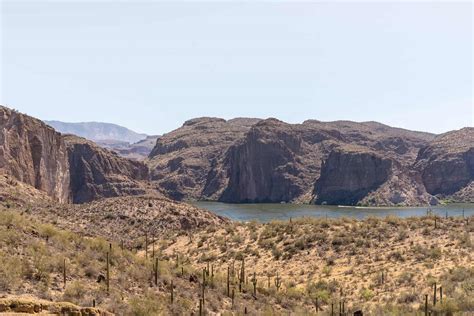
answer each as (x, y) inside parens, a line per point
(34, 153)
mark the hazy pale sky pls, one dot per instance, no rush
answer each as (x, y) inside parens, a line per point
(152, 65)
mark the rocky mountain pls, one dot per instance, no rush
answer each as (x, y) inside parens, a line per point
(96, 172)
(66, 167)
(98, 132)
(137, 151)
(34, 153)
(447, 165)
(249, 160)
(338, 162)
(187, 163)
(125, 142)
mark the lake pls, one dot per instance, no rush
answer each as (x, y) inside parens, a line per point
(269, 212)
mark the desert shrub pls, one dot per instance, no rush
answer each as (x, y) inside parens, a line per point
(396, 256)
(331, 260)
(465, 240)
(294, 293)
(276, 252)
(47, 230)
(435, 253)
(265, 243)
(10, 271)
(407, 298)
(406, 278)
(148, 305)
(74, 292)
(366, 294)
(237, 239)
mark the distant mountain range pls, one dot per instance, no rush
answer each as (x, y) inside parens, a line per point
(98, 131)
(124, 141)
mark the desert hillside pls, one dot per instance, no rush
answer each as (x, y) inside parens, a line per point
(95, 254)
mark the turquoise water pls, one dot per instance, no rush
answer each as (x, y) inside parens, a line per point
(268, 212)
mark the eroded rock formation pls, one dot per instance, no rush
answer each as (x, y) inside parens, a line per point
(67, 168)
(348, 176)
(447, 164)
(34, 153)
(249, 160)
(97, 172)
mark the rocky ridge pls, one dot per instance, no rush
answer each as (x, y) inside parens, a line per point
(34, 153)
(68, 168)
(97, 172)
(249, 160)
(269, 160)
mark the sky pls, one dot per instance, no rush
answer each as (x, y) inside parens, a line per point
(151, 65)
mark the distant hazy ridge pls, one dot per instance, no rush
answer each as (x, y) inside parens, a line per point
(98, 132)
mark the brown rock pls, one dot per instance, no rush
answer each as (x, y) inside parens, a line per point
(348, 176)
(272, 161)
(447, 163)
(34, 153)
(97, 172)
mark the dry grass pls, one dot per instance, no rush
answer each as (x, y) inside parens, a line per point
(323, 260)
(345, 259)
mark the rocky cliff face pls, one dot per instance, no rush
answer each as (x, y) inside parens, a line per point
(67, 168)
(249, 160)
(272, 161)
(188, 162)
(263, 167)
(97, 172)
(348, 176)
(447, 164)
(34, 153)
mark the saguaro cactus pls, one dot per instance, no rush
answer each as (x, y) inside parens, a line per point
(64, 272)
(277, 282)
(153, 246)
(254, 282)
(172, 292)
(242, 275)
(146, 245)
(228, 281)
(434, 294)
(233, 297)
(156, 267)
(108, 273)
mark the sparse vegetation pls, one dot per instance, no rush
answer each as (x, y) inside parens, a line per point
(377, 265)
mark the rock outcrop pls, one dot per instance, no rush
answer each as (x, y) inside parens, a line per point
(263, 166)
(188, 162)
(249, 160)
(97, 172)
(348, 176)
(447, 164)
(272, 161)
(68, 168)
(34, 153)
